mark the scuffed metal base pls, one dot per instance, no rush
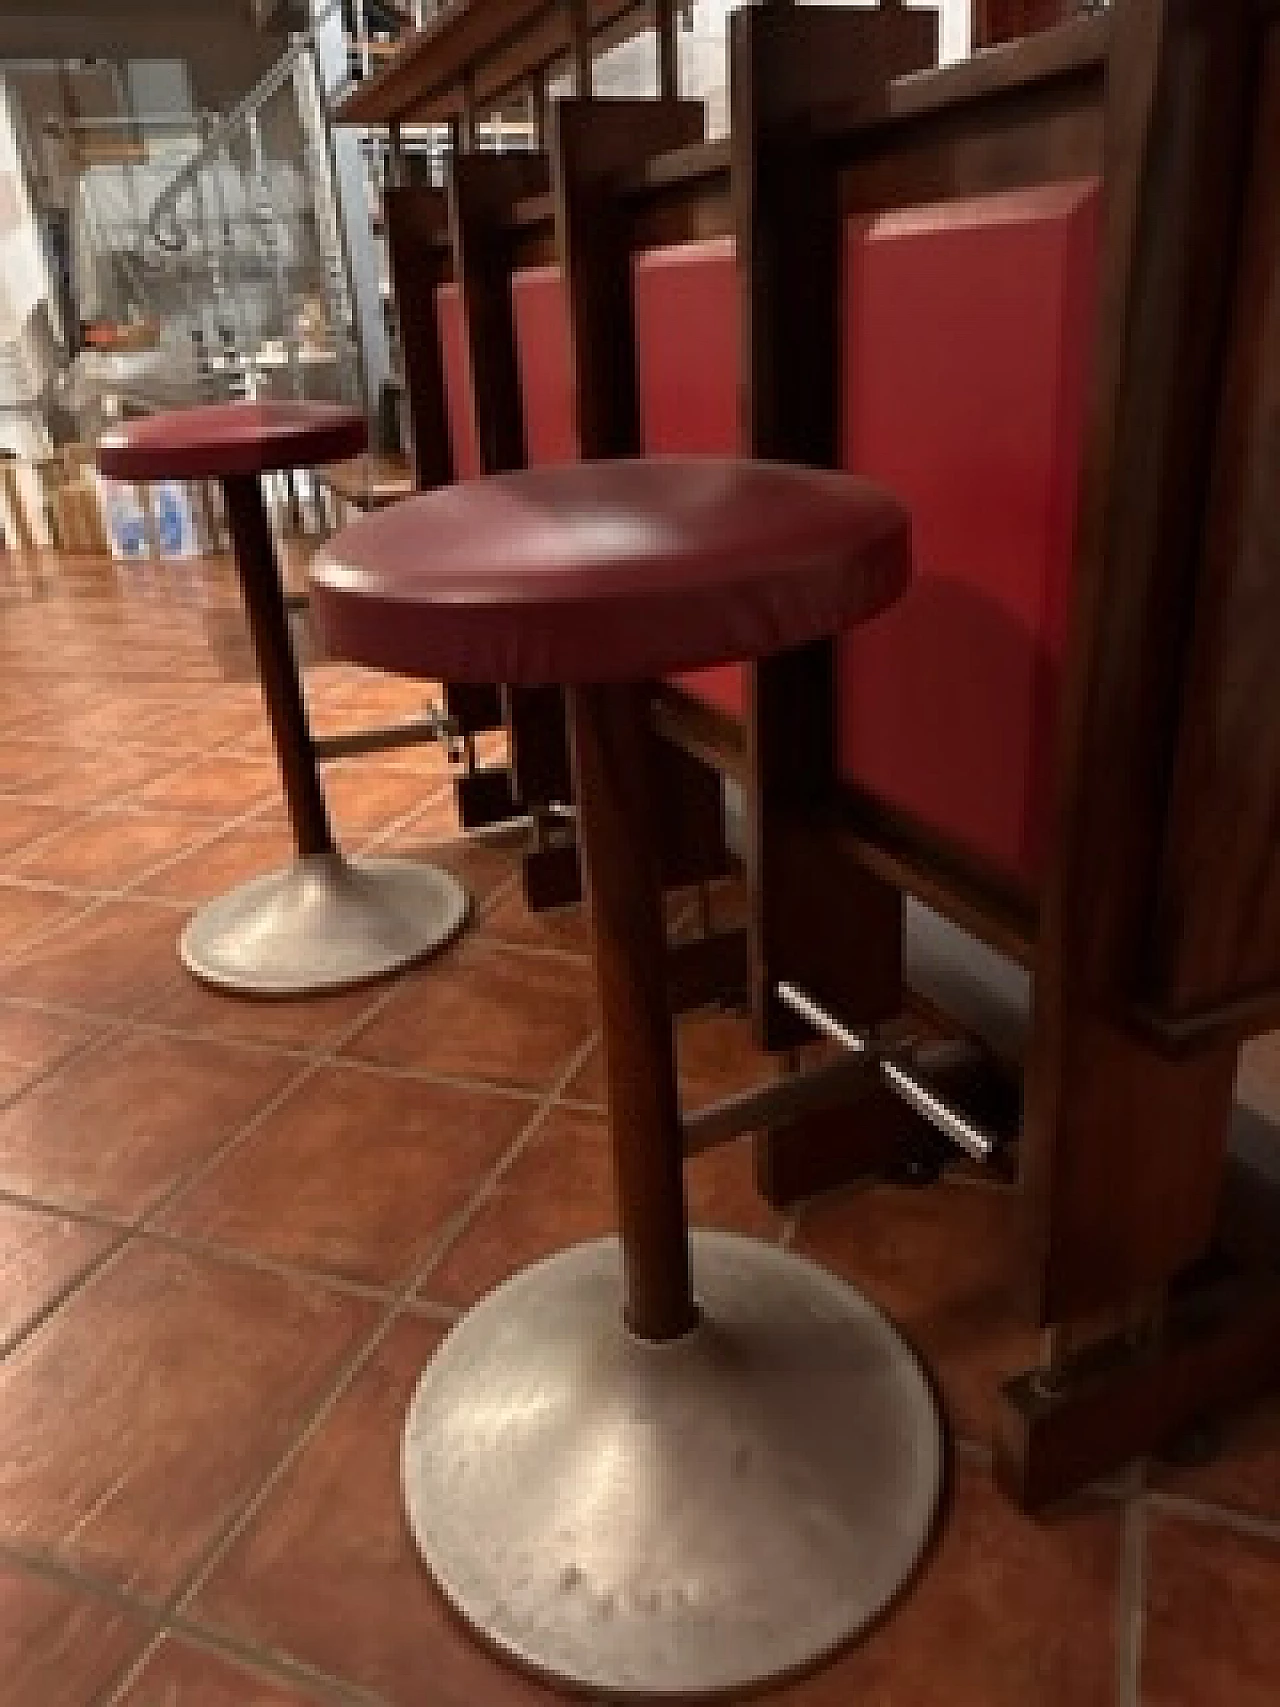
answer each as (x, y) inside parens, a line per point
(324, 924)
(676, 1520)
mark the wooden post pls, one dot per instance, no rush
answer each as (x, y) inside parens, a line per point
(467, 120)
(580, 37)
(538, 107)
(664, 21)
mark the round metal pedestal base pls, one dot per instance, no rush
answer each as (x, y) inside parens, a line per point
(672, 1520)
(324, 924)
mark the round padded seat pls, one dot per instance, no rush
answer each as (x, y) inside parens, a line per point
(214, 440)
(610, 571)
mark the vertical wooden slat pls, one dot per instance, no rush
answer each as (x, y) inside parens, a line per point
(593, 141)
(665, 28)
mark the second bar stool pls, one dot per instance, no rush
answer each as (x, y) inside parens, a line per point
(325, 922)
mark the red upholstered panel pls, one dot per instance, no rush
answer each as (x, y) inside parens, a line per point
(463, 438)
(686, 311)
(545, 364)
(967, 338)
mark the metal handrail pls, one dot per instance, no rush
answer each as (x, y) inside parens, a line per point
(165, 206)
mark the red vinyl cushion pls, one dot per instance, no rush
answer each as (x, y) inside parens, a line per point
(609, 571)
(544, 361)
(967, 332)
(214, 440)
(464, 440)
(686, 318)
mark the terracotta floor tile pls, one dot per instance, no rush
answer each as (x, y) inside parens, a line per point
(26, 915)
(213, 867)
(108, 850)
(40, 1256)
(567, 929)
(1244, 1475)
(721, 1191)
(354, 1173)
(559, 1192)
(94, 778)
(122, 1124)
(25, 821)
(1211, 1637)
(213, 787)
(202, 727)
(1006, 1613)
(59, 1648)
(179, 1674)
(436, 820)
(942, 1263)
(119, 957)
(33, 1040)
(328, 1576)
(346, 693)
(480, 862)
(155, 1402)
(362, 801)
(307, 1022)
(29, 767)
(485, 1012)
(715, 1057)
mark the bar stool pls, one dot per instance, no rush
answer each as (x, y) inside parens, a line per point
(326, 922)
(668, 1464)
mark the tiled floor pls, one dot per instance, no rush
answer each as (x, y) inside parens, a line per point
(231, 1233)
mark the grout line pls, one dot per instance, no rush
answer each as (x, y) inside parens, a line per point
(269, 1668)
(238, 1256)
(110, 1031)
(105, 1258)
(146, 1225)
(1131, 1605)
(187, 1182)
(82, 1579)
(350, 1370)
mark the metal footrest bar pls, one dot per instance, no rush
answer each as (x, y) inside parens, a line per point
(436, 725)
(964, 1133)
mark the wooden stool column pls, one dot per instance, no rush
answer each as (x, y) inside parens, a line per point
(616, 814)
(268, 619)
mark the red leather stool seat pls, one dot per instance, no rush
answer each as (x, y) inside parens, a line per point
(215, 440)
(610, 572)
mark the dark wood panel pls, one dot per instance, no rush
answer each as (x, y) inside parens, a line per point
(809, 906)
(785, 66)
(1123, 1150)
(594, 142)
(1217, 930)
(418, 251)
(482, 190)
(1020, 138)
(1119, 1401)
(1005, 20)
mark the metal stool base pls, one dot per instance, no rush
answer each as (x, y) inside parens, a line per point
(678, 1520)
(324, 924)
